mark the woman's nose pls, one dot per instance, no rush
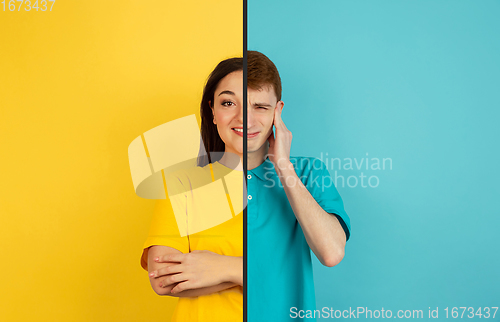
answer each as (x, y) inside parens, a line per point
(239, 116)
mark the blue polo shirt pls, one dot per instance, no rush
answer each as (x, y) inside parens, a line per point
(279, 267)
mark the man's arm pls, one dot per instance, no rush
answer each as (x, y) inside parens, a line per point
(157, 251)
(323, 232)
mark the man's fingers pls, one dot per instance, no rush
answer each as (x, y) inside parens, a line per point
(277, 115)
(279, 122)
(271, 137)
(276, 120)
(282, 124)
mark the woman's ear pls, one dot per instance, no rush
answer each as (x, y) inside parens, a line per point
(213, 112)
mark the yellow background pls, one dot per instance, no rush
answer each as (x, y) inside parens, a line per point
(77, 85)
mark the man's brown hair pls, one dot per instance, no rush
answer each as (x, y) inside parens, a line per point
(261, 73)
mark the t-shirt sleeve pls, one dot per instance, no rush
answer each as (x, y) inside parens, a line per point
(164, 231)
(321, 186)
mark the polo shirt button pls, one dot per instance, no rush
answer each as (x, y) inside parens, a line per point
(249, 176)
(249, 197)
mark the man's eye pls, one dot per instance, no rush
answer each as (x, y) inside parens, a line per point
(262, 107)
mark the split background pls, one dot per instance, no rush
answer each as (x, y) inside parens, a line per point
(77, 85)
(416, 82)
(413, 81)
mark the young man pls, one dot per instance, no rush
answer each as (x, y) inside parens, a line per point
(293, 207)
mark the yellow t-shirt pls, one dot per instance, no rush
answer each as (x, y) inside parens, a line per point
(225, 238)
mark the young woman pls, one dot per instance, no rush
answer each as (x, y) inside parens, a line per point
(204, 267)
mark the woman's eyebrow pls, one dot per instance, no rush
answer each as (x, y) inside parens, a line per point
(226, 92)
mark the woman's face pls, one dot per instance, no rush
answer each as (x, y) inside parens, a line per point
(227, 109)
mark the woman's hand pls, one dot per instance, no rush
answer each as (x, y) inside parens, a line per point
(197, 269)
(279, 147)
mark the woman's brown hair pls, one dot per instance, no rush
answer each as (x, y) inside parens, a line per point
(209, 135)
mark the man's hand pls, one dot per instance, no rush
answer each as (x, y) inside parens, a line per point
(198, 269)
(279, 147)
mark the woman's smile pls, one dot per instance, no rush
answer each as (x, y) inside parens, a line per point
(239, 131)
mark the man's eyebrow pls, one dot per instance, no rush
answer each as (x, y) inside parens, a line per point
(262, 104)
(226, 92)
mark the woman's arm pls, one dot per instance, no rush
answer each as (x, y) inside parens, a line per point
(158, 251)
(204, 290)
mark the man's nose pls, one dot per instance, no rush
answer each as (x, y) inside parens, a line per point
(250, 117)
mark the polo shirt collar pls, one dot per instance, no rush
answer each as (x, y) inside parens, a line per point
(266, 167)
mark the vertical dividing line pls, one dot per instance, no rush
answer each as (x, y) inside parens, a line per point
(245, 64)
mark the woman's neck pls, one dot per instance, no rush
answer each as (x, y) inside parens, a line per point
(229, 160)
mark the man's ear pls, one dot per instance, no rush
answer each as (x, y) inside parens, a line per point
(280, 104)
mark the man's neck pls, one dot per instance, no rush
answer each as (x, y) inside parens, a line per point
(254, 159)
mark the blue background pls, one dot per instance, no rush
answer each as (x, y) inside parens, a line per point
(417, 82)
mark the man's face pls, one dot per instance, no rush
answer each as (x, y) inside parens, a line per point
(260, 113)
